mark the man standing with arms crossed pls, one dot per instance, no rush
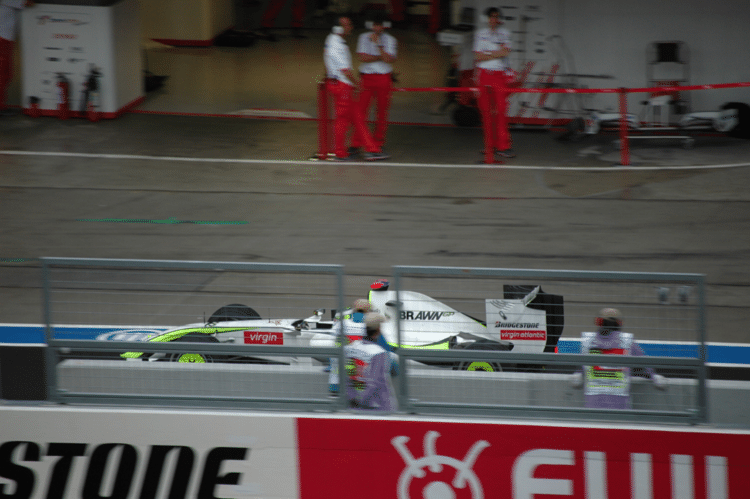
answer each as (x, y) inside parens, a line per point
(368, 370)
(341, 83)
(376, 50)
(10, 10)
(491, 49)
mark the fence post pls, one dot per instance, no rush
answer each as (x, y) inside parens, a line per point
(322, 121)
(404, 404)
(702, 416)
(624, 147)
(51, 358)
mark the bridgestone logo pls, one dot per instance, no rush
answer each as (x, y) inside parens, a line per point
(518, 325)
(114, 467)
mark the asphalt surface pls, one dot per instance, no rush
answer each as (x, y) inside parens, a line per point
(557, 205)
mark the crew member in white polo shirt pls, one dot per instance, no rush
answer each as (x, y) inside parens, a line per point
(492, 45)
(376, 49)
(341, 84)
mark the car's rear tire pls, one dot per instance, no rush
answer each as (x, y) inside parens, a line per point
(481, 365)
(193, 358)
(234, 312)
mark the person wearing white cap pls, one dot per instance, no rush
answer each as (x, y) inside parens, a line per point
(368, 368)
(349, 327)
(609, 387)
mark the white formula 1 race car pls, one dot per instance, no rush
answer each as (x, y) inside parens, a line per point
(525, 319)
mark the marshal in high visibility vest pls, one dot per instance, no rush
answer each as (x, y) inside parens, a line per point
(607, 387)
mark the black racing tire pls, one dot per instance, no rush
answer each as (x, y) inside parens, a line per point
(742, 130)
(193, 358)
(572, 131)
(481, 365)
(234, 312)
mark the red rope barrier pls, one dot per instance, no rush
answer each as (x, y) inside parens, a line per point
(622, 92)
(581, 90)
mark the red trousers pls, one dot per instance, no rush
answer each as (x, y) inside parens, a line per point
(6, 68)
(274, 7)
(378, 86)
(348, 114)
(494, 108)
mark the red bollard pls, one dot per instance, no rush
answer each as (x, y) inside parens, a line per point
(624, 147)
(33, 109)
(63, 93)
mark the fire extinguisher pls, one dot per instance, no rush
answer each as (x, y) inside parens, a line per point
(90, 105)
(63, 93)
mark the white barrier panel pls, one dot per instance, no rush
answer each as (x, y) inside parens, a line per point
(90, 453)
(119, 453)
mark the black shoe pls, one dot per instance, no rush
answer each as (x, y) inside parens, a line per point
(508, 153)
(340, 158)
(354, 151)
(375, 156)
(7, 112)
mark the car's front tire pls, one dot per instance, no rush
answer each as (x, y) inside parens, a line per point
(489, 367)
(193, 358)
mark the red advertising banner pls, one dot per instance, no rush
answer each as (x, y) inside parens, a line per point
(366, 458)
(264, 338)
(523, 334)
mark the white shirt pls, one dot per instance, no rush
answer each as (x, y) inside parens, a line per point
(487, 40)
(366, 46)
(337, 57)
(10, 10)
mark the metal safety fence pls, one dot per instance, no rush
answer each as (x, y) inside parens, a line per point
(545, 315)
(184, 332)
(469, 341)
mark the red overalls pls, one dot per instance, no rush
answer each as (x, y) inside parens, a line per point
(378, 86)
(348, 114)
(494, 108)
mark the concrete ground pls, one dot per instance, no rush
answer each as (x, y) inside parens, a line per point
(558, 205)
